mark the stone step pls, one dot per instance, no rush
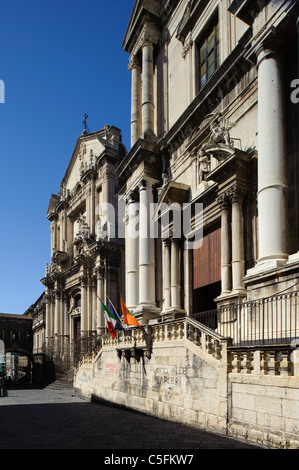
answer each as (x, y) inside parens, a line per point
(59, 387)
(60, 384)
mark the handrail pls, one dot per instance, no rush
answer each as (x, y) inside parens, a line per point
(268, 320)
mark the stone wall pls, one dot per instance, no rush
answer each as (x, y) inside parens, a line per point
(175, 384)
(265, 409)
(188, 375)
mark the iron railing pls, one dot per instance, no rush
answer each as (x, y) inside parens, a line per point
(266, 321)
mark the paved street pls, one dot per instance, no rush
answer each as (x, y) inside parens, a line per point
(32, 418)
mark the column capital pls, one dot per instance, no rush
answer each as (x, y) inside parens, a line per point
(131, 197)
(266, 51)
(270, 46)
(236, 193)
(143, 184)
(134, 62)
(223, 201)
(166, 241)
(148, 36)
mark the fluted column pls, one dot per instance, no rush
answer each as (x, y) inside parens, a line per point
(136, 124)
(132, 253)
(147, 85)
(166, 274)
(271, 159)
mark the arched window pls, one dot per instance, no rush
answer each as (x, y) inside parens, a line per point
(77, 300)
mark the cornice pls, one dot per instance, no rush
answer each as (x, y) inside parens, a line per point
(142, 14)
(142, 150)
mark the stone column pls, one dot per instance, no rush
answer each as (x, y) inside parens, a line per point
(93, 303)
(166, 274)
(66, 327)
(238, 262)
(147, 85)
(92, 206)
(83, 307)
(56, 314)
(100, 288)
(146, 249)
(135, 68)
(175, 274)
(271, 159)
(225, 245)
(132, 253)
(47, 319)
(51, 316)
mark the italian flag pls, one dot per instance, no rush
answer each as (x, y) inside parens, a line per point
(110, 321)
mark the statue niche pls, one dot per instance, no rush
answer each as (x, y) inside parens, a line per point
(217, 148)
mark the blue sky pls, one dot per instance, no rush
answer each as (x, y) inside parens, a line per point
(59, 59)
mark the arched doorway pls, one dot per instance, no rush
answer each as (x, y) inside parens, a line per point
(19, 366)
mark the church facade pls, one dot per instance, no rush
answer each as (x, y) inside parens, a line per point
(86, 256)
(204, 247)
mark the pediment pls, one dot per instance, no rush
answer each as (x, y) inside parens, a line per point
(84, 157)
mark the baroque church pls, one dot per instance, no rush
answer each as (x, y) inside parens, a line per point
(208, 198)
(87, 264)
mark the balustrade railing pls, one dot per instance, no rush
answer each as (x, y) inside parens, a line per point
(261, 360)
(267, 321)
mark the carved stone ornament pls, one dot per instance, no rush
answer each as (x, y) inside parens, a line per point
(83, 231)
(220, 131)
(219, 145)
(204, 164)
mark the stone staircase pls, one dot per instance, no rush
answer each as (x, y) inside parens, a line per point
(63, 382)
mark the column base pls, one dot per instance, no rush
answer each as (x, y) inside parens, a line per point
(264, 265)
(146, 312)
(294, 258)
(230, 298)
(172, 314)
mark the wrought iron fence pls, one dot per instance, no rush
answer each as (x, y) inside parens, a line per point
(271, 320)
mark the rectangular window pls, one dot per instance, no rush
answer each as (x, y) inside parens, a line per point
(208, 53)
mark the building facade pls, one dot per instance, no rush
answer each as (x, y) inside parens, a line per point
(213, 127)
(211, 248)
(37, 313)
(86, 256)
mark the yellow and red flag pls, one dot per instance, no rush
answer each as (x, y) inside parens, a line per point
(128, 318)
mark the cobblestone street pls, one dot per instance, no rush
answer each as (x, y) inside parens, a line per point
(33, 418)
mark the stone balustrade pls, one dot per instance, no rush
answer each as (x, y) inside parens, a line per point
(264, 361)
